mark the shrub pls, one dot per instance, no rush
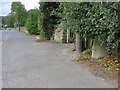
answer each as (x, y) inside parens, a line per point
(93, 20)
(47, 20)
(32, 22)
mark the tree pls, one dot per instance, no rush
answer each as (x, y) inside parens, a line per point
(47, 20)
(95, 20)
(71, 13)
(20, 12)
(9, 20)
(2, 21)
(32, 22)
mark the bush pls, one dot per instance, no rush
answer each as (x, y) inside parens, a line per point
(47, 20)
(94, 20)
(32, 22)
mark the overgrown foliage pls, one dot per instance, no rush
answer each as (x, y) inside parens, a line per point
(109, 62)
(92, 19)
(32, 22)
(47, 20)
(9, 20)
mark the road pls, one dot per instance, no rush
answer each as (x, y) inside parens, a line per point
(27, 64)
(0, 59)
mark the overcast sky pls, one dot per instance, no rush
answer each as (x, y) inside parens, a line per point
(5, 5)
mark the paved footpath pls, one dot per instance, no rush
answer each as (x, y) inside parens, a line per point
(27, 64)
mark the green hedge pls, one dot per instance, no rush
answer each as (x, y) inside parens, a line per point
(47, 20)
(92, 19)
(32, 22)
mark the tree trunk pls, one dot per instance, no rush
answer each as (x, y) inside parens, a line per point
(78, 44)
(68, 36)
(88, 43)
(118, 50)
(98, 50)
(19, 28)
(82, 44)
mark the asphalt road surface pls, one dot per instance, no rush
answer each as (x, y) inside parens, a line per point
(27, 64)
(0, 59)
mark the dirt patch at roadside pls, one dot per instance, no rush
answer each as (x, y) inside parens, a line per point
(106, 67)
(110, 76)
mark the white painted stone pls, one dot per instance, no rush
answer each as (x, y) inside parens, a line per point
(98, 50)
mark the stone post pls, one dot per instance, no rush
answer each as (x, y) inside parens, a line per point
(98, 50)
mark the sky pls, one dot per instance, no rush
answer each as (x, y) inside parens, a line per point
(5, 5)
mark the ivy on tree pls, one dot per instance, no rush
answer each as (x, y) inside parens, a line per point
(92, 19)
(47, 20)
